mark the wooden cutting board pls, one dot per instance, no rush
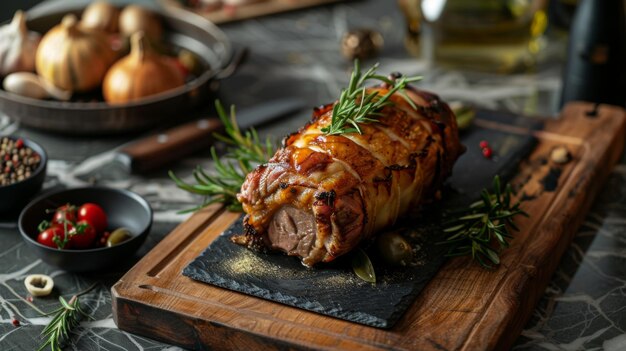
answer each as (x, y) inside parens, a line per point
(227, 14)
(464, 307)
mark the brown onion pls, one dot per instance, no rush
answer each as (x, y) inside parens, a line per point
(101, 15)
(142, 73)
(135, 18)
(73, 58)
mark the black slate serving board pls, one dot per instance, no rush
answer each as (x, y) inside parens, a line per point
(334, 290)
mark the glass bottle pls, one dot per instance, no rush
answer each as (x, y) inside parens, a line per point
(596, 65)
(487, 35)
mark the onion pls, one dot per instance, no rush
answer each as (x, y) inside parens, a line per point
(73, 58)
(101, 15)
(142, 73)
(135, 18)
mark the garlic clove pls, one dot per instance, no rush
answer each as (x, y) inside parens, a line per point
(55, 92)
(39, 284)
(25, 84)
(31, 85)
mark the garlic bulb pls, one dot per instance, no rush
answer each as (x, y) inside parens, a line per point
(31, 85)
(142, 73)
(17, 46)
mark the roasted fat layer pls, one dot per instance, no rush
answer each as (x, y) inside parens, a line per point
(349, 186)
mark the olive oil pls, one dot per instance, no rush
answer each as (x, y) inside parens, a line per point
(493, 35)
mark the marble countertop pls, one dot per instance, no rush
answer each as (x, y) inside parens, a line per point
(297, 54)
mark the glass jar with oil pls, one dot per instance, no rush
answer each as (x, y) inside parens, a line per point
(488, 35)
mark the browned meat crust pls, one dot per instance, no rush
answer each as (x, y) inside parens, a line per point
(321, 195)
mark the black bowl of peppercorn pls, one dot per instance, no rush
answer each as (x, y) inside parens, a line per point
(22, 172)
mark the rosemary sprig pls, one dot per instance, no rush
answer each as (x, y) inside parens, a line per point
(356, 107)
(477, 230)
(65, 318)
(245, 151)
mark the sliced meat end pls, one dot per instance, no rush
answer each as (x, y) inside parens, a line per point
(292, 231)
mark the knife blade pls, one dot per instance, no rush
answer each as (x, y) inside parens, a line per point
(160, 149)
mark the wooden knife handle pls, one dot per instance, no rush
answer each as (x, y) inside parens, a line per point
(160, 149)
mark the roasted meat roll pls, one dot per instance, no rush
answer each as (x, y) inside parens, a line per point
(321, 195)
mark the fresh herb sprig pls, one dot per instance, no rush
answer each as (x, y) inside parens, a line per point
(245, 151)
(482, 230)
(355, 106)
(64, 319)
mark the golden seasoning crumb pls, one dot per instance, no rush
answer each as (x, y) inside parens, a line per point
(247, 263)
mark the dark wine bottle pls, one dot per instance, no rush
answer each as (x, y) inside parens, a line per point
(596, 64)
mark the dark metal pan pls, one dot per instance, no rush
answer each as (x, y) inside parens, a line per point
(182, 29)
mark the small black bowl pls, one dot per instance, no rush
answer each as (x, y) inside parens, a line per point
(123, 209)
(15, 196)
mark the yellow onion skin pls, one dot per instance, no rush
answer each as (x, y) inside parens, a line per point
(101, 15)
(141, 73)
(72, 58)
(135, 18)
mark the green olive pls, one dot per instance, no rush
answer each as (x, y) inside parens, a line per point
(394, 249)
(117, 236)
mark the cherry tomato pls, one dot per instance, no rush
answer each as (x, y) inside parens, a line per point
(47, 236)
(65, 213)
(93, 214)
(83, 235)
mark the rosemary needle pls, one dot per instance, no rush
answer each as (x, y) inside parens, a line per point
(245, 151)
(64, 319)
(482, 230)
(355, 106)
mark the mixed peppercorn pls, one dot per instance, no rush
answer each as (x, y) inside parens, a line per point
(17, 161)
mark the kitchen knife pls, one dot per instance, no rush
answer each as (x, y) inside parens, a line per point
(157, 150)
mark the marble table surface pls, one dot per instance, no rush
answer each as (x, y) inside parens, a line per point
(297, 54)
